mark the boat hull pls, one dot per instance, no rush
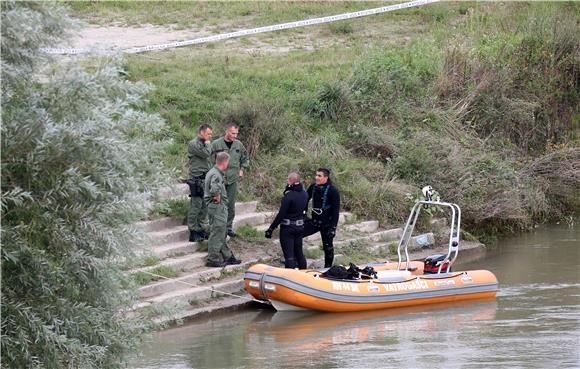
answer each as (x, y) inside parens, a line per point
(290, 289)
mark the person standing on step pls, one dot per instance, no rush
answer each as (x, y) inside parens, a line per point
(216, 199)
(239, 162)
(198, 152)
(325, 212)
(290, 217)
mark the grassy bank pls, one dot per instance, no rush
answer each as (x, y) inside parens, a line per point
(224, 14)
(478, 100)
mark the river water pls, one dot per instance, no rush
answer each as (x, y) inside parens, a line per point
(533, 323)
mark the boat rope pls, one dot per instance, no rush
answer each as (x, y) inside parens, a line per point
(207, 288)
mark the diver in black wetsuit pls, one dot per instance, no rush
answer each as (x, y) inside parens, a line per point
(325, 210)
(291, 220)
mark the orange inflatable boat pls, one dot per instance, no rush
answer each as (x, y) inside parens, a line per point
(397, 284)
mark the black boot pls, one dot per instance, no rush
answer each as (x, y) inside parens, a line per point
(231, 233)
(215, 264)
(233, 261)
(195, 236)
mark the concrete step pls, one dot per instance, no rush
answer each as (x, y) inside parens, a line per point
(339, 259)
(225, 305)
(345, 217)
(199, 293)
(422, 241)
(263, 227)
(173, 191)
(416, 243)
(161, 224)
(182, 263)
(170, 235)
(158, 224)
(384, 249)
(363, 227)
(315, 237)
(201, 275)
(252, 219)
(169, 249)
(270, 215)
(246, 207)
(384, 236)
(178, 233)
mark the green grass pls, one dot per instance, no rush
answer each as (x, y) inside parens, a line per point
(230, 13)
(202, 246)
(142, 278)
(313, 253)
(150, 261)
(170, 208)
(356, 251)
(249, 233)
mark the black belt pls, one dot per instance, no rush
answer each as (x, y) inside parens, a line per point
(299, 222)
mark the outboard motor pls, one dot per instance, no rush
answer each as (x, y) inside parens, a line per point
(433, 262)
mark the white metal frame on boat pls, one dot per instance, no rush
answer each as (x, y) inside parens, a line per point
(453, 233)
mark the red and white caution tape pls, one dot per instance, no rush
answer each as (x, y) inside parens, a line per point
(252, 31)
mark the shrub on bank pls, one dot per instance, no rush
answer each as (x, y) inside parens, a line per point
(79, 162)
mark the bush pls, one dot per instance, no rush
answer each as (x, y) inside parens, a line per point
(390, 84)
(341, 27)
(558, 176)
(329, 102)
(79, 161)
(519, 86)
(371, 142)
(259, 125)
(172, 208)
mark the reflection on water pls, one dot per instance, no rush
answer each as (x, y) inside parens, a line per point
(533, 323)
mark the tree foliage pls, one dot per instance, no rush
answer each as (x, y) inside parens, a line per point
(79, 162)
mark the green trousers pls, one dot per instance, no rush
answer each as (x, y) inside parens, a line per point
(217, 248)
(232, 191)
(197, 215)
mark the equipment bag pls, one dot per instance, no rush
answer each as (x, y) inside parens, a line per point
(196, 187)
(352, 273)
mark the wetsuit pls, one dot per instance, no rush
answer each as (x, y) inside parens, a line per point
(325, 211)
(291, 220)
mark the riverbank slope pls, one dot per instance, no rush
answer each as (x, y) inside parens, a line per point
(480, 100)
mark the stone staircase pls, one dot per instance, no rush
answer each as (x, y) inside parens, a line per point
(190, 284)
(191, 281)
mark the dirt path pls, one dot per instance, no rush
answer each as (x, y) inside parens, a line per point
(119, 37)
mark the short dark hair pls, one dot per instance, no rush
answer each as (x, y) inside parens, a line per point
(231, 125)
(204, 127)
(326, 171)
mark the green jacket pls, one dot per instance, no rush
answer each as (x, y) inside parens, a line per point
(238, 158)
(215, 184)
(199, 157)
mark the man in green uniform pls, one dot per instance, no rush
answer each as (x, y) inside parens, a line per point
(198, 151)
(239, 162)
(216, 198)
